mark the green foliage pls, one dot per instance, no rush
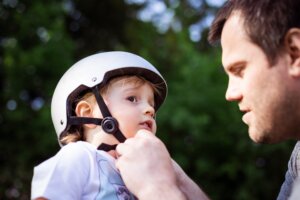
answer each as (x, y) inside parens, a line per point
(35, 51)
(39, 40)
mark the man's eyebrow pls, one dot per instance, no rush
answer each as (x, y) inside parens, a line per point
(232, 65)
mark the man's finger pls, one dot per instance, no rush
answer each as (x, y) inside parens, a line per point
(120, 149)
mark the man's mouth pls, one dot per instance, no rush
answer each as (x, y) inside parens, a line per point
(246, 117)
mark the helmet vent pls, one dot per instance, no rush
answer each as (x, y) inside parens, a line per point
(94, 79)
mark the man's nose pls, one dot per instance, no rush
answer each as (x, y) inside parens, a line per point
(233, 92)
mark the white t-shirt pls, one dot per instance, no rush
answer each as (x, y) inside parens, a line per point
(79, 171)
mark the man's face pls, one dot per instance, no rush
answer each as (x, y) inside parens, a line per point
(261, 90)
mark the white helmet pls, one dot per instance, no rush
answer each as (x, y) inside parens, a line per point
(92, 71)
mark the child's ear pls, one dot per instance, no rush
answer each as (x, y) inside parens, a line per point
(292, 43)
(85, 109)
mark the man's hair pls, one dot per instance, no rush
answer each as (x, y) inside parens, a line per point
(265, 21)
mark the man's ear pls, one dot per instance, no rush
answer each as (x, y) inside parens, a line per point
(85, 109)
(292, 43)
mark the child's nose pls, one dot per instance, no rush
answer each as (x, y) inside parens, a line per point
(149, 110)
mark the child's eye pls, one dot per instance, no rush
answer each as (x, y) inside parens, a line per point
(132, 99)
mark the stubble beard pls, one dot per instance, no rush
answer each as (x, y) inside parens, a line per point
(281, 123)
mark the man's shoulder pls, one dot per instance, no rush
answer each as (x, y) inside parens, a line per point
(294, 162)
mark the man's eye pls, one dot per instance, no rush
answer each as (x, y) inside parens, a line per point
(238, 71)
(132, 99)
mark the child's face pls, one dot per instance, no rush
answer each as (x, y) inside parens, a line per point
(132, 104)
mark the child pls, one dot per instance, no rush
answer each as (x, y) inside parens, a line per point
(99, 102)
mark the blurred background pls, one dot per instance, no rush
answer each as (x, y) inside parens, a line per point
(40, 40)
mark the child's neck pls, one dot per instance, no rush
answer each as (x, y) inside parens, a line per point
(97, 138)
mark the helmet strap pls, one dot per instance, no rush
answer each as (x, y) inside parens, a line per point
(109, 124)
(107, 147)
(84, 120)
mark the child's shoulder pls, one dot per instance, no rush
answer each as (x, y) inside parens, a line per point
(72, 159)
(72, 152)
(77, 150)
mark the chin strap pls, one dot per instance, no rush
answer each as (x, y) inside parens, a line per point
(109, 124)
(107, 147)
(100, 122)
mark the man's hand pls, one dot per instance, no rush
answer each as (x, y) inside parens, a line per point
(146, 168)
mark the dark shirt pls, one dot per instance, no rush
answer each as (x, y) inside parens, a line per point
(291, 174)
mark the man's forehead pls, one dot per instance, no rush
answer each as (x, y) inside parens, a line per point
(233, 39)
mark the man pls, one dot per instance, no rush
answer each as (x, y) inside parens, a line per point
(260, 42)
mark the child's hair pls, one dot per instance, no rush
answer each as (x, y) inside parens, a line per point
(75, 133)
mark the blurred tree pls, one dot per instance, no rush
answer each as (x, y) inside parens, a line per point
(204, 133)
(35, 51)
(97, 25)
